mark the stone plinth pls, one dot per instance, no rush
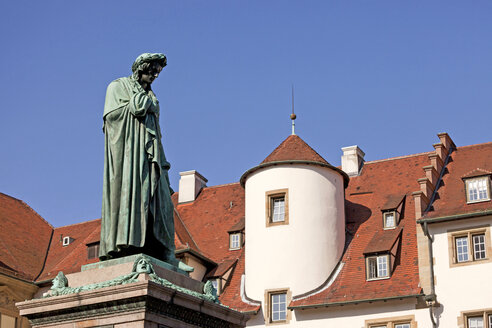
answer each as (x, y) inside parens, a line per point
(145, 302)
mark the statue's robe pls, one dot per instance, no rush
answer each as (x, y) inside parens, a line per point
(137, 212)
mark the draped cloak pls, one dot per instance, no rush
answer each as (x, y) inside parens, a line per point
(136, 190)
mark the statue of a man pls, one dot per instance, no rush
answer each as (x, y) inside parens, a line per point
(137, 212)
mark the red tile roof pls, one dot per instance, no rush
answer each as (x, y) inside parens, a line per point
(294, 148)
(467, 161)
(70, 258)
(22, 249)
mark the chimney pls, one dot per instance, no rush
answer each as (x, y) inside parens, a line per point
(352, 160)
(190, 184)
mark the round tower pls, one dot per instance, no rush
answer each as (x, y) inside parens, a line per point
(295, 220)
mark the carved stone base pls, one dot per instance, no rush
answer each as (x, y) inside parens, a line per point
(146, 302)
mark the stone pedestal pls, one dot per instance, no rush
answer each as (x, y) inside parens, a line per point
(144, 302)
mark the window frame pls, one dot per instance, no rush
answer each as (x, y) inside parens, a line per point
(269, 306)
(469, 234)
(240, 239)
(391, 322)
(377, 257)
(270, 196)
(485, 314)
(396, 220)
(468, 181)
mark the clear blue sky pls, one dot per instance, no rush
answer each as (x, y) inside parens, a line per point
(385, 75)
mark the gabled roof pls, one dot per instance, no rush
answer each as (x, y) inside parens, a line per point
(465, 162)
(210, 216)
(294, 148)
(23, 250)
(70, 258)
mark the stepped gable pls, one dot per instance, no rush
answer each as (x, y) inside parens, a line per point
(23, 250)
(296, 149)
(378, 185)
(70, 258)
(465, 162)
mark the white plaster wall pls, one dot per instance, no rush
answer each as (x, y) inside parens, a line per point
(302, 254)
(463, 288)
(353, 316)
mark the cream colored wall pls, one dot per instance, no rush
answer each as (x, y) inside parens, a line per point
(354, 316)
(199, 269)
(459, 288)
(302, 254)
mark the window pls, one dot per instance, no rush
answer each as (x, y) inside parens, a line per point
(478, 319)
(377, 267)
(277, 207)
(477, 189)
(277, 302)
(279, 307)
(92, 251)
(396, 322)
(470, 246)
(235, 240)
(389, 219)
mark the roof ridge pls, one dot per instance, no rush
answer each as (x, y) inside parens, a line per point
(222, 185)
(24, 204)
(74, 224)
(475, 145)
(398, 157)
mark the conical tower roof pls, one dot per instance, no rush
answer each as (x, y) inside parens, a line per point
(294, 150)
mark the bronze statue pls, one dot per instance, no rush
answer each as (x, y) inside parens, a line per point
(137, 212)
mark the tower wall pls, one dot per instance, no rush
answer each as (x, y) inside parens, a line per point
(299, 255)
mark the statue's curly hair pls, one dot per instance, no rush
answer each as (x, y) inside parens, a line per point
(145, 60)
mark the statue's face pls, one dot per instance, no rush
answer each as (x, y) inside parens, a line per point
(143, 266)
(151, 74)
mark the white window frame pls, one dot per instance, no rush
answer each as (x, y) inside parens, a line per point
(273, 217)
(478, 246)
(395, 222)
(470, 253)
(480, 187)
(382, 269)
(274, 305)
(235, 241)
(394, 322)
(485, 317)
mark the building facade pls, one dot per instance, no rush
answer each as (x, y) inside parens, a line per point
(398, 243)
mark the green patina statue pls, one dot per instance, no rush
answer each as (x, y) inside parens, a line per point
(141, 265)
(137, 212)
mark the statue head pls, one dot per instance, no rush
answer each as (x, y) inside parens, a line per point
(142, 265)
(60, 281)
(147, 67)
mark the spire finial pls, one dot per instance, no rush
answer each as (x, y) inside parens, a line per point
(293, 116)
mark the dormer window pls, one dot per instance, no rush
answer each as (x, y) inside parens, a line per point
(92, 251)
(392, 211)
(66, 240)
(389, 219)
(377, 267)
(277, 207)
(236, 235)
(477, 189)
(235, 240)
